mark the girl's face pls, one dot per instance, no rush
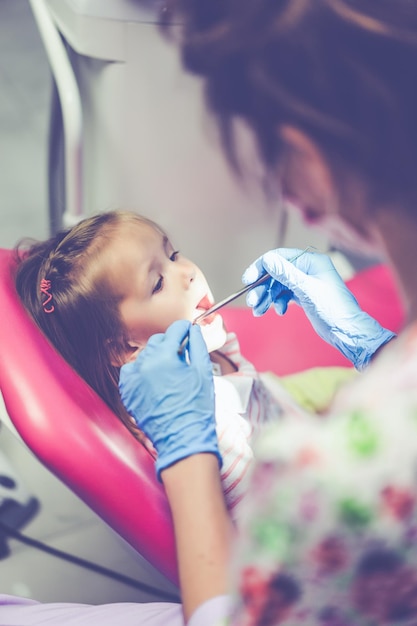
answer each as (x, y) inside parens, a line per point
(159, 285)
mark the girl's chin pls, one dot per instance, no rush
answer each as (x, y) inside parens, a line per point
(214, 334)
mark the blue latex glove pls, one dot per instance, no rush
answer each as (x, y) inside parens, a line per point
(171, 396)
(313, 283)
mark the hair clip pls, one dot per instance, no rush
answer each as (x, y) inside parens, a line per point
(45, 287)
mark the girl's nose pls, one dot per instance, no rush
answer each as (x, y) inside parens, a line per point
(188, 275)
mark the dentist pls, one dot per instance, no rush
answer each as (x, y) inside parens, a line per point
(329, 89)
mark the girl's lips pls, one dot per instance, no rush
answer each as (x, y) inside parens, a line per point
(206, 320)
(209, 319)
(203, 306)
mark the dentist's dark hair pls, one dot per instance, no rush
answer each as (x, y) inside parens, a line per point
(85, 325)
(342, 71)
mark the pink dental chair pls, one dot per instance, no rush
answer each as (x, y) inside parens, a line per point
(73, 433)
(76, 436)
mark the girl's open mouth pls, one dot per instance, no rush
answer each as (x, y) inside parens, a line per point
(203, 306)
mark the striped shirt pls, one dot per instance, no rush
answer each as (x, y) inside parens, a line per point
(243, 405)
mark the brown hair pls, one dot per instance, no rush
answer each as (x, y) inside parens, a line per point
(343, 71)
(85, 325)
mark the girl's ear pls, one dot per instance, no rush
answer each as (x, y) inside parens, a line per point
(123, 352)
(132, 353)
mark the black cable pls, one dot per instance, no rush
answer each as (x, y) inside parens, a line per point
(99, 569)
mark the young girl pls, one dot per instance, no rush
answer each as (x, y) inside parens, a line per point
(99, 291)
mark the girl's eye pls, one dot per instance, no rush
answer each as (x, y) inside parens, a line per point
(158, 285)
(174, 255)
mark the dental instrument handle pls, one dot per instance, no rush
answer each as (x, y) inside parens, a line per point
(230, 298)
(242, 291)
(234, 296)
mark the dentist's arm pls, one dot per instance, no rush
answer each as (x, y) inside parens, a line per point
(313, 283)
(202, 526)
(171, 398)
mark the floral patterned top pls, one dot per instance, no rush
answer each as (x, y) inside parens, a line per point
(329, 532)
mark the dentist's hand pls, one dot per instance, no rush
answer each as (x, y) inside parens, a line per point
(171, 396)
(313, 283)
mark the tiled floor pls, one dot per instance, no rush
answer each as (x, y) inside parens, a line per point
(63, 522)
